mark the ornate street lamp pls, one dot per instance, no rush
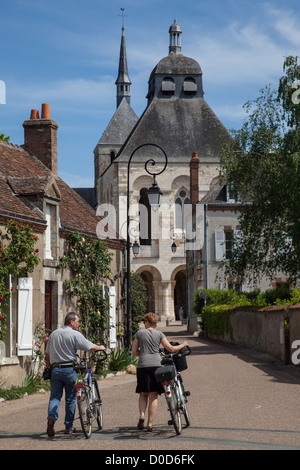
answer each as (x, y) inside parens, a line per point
(154, 196)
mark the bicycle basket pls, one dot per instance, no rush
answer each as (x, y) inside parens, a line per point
(179, 359)
(180, 363)
(163, 374)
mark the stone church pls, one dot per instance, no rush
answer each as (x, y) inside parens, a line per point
(177, 122)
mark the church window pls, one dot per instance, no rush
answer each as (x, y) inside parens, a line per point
(112, 156)
(182, 206)
(190, 86)
(144, 218)
(168, 86)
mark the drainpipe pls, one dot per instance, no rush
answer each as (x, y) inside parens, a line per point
(206, 244)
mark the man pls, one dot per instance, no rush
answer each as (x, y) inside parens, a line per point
(61, 350)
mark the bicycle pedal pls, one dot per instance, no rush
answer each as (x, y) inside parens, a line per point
(98, 402)
(187, 394)
(170, 422)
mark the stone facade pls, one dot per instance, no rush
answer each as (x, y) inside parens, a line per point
(31, 193)
(179, 121)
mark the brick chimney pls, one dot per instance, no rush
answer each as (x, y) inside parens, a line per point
(194, 177)
(40, 137)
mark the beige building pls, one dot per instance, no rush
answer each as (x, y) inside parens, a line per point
(31, 193)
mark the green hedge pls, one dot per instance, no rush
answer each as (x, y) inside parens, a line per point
(215, 316)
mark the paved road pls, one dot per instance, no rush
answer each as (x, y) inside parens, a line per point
(239, 401)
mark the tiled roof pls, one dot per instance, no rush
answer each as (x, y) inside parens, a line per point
(18, 163)
(22, 174)
(77, 214)
(13, 207)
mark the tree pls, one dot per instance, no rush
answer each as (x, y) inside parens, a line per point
(18, 257)
(89, 262)
(138, 301)
(2, 137)
(263, 168)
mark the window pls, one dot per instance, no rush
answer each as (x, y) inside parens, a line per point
(189, 86)
(144, 218)
(225, 241)
(230, 196)
(182, 209)
(168, 86)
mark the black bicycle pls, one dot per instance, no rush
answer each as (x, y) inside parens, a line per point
(170, 377)
(88, 395)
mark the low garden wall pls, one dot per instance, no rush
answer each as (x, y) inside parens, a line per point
(273, 330)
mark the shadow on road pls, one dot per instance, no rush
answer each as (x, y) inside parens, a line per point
(202, 346)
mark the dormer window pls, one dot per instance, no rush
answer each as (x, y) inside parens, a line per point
(168, 86)
(189, 86)
(230, 198)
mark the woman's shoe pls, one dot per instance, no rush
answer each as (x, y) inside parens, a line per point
(149, 428)
(140, 424)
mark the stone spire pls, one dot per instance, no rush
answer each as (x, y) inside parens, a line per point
(123, 82)
(175, 38)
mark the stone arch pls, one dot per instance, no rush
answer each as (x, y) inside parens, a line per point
(179, 181)
(179, 290)
(152, 278)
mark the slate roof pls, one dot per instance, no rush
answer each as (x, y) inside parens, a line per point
(181, 127)
(176, 64)
(120, 125)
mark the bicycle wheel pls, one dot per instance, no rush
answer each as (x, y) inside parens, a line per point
(97, 405)
(183, 405)
(85, 413)
(173, 406)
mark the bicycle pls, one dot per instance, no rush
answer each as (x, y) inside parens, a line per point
(88, 396)
(170, 377)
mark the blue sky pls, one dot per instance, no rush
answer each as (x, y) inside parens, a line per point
(66, 52)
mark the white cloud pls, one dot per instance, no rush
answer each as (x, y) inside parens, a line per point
(286, 24)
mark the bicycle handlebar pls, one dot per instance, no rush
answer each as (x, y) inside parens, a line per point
(84, 362)
(185, 351)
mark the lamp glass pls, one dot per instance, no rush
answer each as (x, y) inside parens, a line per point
(154, 196)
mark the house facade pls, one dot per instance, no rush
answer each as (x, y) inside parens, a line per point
(32, 193)
(218, 222)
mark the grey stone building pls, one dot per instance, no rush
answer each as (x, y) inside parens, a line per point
(179, 121)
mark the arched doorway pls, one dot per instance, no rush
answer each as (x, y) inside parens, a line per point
(148, 278)
(180, 294)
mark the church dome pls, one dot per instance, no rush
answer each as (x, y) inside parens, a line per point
(176, 64)
(175, 28)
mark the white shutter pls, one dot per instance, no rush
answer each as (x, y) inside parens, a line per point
(219, 245)
(112, 317)
(48, 232)
(25, 316)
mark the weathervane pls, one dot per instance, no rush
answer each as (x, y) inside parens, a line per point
(123, 15)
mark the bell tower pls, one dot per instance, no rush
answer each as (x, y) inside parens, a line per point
(175, 38)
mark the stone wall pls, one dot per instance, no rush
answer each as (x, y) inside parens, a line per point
(272, 330)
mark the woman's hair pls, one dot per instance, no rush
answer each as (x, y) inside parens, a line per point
(152, 318)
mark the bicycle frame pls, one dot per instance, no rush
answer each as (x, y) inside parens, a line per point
(88, 399)
(175, 394)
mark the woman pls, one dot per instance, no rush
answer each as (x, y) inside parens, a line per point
(146, 347)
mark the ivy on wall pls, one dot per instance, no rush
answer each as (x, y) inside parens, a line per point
(89, 262)
(18, 257)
